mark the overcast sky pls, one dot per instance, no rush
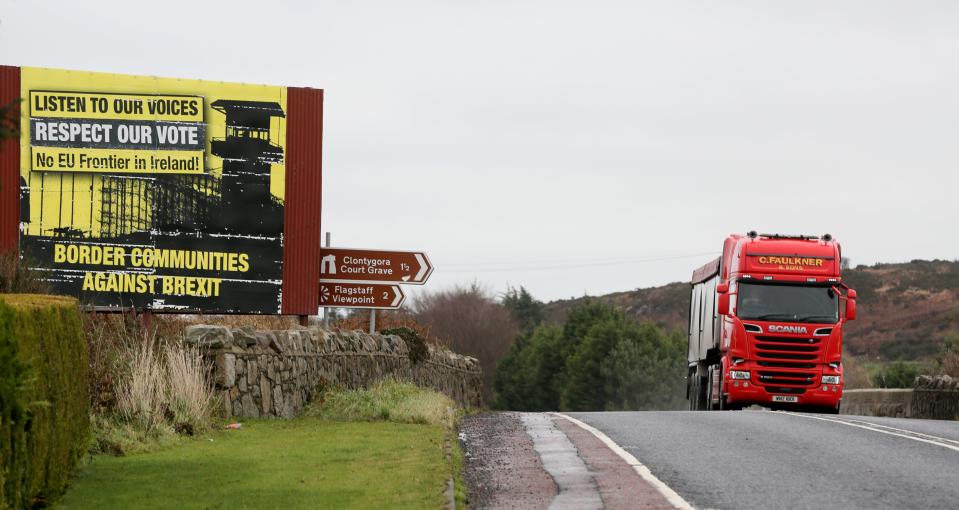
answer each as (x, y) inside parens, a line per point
(578, 147)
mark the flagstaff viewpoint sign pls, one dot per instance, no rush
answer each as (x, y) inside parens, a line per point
(164, 194)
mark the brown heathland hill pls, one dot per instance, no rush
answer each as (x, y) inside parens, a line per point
(904, 309)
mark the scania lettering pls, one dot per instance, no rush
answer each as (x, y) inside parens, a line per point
(765, 325)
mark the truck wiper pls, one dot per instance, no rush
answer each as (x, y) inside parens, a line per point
(816, 318)
(773, 317)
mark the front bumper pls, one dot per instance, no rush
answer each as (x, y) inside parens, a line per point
(748, 393)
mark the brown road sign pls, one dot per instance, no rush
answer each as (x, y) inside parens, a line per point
(355, 265)
(361, 295)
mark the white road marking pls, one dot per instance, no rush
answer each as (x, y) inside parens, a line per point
(905, 431)
(674, 499)
(907, 434)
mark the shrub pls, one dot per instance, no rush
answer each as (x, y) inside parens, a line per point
(529, 376)
(415, 344)
(16, 277)
(600, 359)
(44, 413)
(646, 370)
(947, 362)
(896, 375)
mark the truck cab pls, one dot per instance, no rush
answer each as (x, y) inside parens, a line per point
(766, 321)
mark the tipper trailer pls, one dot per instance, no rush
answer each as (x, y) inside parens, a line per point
(765, 325)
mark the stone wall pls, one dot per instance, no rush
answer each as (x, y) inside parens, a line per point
(891, 402)
(931, 397)
(936, 398)
(275, 373)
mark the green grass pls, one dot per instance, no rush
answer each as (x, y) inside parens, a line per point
(393, 445)
(304, 463)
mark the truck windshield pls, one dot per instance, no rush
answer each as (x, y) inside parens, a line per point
(787, 303)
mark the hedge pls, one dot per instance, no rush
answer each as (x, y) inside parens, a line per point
(44, 406)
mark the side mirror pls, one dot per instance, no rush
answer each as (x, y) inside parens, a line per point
(851, 294)
(722, 304)
(851, 306)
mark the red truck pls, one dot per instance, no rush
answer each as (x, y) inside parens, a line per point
(765, 325)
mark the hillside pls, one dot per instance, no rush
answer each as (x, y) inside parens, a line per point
(905, 310)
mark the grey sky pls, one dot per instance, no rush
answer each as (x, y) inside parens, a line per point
(578, 147)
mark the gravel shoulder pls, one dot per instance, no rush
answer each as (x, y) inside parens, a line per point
(502, 470)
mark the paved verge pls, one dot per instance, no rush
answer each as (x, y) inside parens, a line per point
(535, 460)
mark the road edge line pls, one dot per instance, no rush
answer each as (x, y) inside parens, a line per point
(671, 496)
(875, 429)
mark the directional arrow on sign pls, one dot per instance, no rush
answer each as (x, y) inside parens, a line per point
(361, 295)
(382, 266)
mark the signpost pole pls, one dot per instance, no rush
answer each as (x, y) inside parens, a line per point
(372, 321)
(326, 310)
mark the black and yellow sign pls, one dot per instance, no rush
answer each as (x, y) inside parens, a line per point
(91, 132)
(154, 193)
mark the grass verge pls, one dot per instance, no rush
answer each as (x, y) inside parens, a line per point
(392, 446)
(402, 402)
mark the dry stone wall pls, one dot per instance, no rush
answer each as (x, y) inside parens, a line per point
(275, 373)
(936, 398)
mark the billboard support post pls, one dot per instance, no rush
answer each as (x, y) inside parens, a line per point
(146, 320)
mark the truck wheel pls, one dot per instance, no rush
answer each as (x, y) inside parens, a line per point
(723, 406)
(691, 393)
(696, 403)
(709, 390)
(703, 402)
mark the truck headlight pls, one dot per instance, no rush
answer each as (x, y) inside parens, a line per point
(830, 379)
(739, 374)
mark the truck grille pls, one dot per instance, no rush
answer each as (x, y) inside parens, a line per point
(788, 361)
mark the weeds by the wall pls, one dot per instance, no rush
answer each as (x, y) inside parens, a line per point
(141, 389)
(190, 400)
(389, 400)
(146, 387)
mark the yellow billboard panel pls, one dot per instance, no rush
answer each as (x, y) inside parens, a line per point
(159, 193)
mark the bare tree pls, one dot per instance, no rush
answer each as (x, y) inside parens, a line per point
(472, 322)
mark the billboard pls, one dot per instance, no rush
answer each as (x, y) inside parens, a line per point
(156, 193)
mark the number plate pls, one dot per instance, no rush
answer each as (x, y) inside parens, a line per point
(785, 398)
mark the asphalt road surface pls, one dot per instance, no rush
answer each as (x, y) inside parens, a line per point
(764, 459)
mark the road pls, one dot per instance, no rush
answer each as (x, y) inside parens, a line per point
(763, 459)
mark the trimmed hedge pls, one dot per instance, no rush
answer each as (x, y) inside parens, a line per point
(44, 406)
